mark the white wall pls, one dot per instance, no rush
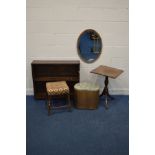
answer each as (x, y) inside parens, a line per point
(53, 27)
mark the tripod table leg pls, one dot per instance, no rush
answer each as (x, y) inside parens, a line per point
(106, 92)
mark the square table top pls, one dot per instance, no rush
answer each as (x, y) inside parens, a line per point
(107, 71)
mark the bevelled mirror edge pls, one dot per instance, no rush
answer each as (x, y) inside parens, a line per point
(94, 48)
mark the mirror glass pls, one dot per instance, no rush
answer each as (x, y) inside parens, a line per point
(89, 45)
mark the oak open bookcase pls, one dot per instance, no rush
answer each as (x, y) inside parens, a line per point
(49, 71)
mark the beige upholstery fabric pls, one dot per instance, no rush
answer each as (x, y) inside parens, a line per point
(57, 88)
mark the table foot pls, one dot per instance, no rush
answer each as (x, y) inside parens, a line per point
(106, 92)
(106, 103)
(109, 96)
(112, 98)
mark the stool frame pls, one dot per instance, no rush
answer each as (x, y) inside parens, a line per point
(49, 104)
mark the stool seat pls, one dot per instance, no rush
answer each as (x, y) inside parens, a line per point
(86, 95)
(57, 88)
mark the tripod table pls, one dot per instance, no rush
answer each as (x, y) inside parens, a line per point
(107, 72)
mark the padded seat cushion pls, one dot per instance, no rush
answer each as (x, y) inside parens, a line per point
(57, 88)
(86, 86)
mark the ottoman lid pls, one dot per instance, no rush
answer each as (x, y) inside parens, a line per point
(86, 86)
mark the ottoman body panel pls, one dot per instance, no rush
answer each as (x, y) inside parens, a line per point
(87, 98)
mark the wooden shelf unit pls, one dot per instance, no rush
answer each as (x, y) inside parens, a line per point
(49, 71)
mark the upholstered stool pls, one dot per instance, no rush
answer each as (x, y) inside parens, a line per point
(86, 95)
(54, 89)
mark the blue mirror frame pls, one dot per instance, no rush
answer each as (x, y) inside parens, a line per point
(89, 45)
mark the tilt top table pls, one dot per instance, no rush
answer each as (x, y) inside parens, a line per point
(107, 72)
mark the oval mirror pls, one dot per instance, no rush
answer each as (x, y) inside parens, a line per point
(89, 45)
